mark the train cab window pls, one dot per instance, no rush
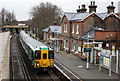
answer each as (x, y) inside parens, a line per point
(44, 55)
(51, 54)
(37, 55)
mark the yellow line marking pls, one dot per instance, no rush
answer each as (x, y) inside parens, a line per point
(69, 71)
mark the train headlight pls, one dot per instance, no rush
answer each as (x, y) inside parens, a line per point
(37, 63)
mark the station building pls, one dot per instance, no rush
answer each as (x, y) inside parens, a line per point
(102, 27)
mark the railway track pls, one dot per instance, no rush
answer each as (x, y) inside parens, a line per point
(21, 68)
(18, 67)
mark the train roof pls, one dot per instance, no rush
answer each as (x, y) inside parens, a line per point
(33, 43)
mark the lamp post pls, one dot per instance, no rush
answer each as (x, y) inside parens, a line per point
(57, 43)
(88, 52)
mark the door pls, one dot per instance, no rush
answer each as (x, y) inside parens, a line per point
(44, 59)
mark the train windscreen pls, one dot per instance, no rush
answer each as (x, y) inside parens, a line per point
(51, 55)
(37, 54)
(44, 55)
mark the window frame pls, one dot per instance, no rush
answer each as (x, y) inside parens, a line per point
(77, 27)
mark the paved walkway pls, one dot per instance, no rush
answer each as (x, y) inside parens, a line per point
(4, 53)
(78, 66)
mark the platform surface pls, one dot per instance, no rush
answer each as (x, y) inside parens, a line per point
(75, 68)
(3, 43)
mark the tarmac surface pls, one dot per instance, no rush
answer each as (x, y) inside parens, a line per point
(3, 52)
(77, 67)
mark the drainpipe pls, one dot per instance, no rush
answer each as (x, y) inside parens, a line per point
(70, 36)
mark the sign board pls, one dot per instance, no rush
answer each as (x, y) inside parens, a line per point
(106, 61)
(90, 45)
(113, 50)
(101, 59)
(87, 49)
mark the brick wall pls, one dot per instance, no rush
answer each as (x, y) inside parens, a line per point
(65, 21)
(102, 35)
(111, 23)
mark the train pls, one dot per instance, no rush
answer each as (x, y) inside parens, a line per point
(40, 55)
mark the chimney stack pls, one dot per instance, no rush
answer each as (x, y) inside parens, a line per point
(110, 8)
(92, 7)
(78, 10)
(82, 10)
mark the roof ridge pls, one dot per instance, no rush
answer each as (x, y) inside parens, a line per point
(70, 12)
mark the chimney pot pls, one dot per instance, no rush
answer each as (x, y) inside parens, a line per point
(91, 2)
(94, 3)
(112, 3)
(92, 7)
(83, 6)
(79, 7)
(110, 8)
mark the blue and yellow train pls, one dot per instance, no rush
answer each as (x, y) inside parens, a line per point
(40, 55)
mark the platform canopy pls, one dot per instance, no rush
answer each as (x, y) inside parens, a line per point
(15, 26)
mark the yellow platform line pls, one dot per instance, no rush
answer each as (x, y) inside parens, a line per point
(69, 71)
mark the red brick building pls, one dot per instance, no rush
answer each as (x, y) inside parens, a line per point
(75, 27)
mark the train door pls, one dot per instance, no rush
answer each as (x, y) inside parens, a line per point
(44, 59)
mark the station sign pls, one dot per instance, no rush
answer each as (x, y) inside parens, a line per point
(90, 45)
(87, 49)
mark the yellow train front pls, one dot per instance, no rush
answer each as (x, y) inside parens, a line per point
(44, 58)
(40, 55)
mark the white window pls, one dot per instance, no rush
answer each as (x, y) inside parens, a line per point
(79, 49)
(73, 29)
(66, 28)
(50, 36)
(107, 45)
(77, 29)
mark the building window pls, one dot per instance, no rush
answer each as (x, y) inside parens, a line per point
(79, 48)
(73, 28)
(65, 28)
(77, 29)
(50, 36)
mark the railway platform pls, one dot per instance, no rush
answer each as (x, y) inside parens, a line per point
(75, 69)
(4, 55)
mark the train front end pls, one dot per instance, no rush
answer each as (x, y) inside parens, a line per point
(44, 58)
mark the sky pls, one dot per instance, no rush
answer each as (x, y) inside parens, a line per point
(22, 8)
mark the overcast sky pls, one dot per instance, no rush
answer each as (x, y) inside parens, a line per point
(23, 7)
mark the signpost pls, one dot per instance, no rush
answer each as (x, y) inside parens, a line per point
(105, 61)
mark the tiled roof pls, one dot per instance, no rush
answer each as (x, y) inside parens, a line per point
(69, 15)
(46, 29)
(56, 29)
(82, 16)
(91, 33)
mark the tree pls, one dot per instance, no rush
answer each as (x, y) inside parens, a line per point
(45, 15)
(8, 18)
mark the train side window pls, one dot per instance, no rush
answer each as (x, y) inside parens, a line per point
(51, 54)
(32, 56)
(44, 55)
(38, 55)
